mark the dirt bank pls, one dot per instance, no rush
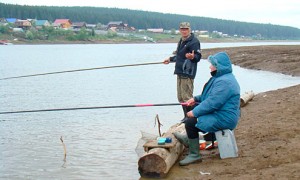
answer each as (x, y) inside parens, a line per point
(283, 59)
(268, 133)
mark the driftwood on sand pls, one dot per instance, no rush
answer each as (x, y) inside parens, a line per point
(245, 98)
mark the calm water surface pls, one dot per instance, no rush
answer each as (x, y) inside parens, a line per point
(100, 143)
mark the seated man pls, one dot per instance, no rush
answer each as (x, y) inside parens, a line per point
(217, 108)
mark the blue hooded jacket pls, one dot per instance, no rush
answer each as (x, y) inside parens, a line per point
(219, 103)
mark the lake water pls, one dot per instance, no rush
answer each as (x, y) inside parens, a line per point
(100, 143)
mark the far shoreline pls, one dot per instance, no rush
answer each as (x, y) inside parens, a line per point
(44, 42)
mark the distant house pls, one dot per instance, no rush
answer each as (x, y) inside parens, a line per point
(24, 24)
(31, 20)
(39, 24)
(102, 27)
(91, 26)
(157, 30)
(63, 23)
(203, 34)
(18, 30)
(132, 28)
(56, 26)
(118, 25)
(3, 21)
(78, 25)
(11, 20)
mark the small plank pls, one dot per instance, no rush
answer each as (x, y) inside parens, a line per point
(153, 144)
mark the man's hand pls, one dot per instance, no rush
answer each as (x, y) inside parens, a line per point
(190, 56)
(191, 102)
(166, 61)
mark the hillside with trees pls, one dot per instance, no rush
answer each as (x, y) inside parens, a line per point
(145, 19)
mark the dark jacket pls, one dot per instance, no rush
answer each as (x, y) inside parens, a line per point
(185, 67)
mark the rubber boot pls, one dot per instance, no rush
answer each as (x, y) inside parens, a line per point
(193, 155)
(185, 110)
(183, 139)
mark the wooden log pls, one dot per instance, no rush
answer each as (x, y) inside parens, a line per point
(248, 96)
(158, 159)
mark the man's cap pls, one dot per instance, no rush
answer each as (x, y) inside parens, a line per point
(185, 25)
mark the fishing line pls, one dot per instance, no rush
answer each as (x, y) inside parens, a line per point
(95, 107)
(77, 70)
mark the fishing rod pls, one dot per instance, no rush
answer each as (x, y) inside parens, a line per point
(95, 107)
(86, 69)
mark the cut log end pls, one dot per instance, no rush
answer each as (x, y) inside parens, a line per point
(152, 165)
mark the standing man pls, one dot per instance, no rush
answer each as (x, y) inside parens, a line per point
(186, 57)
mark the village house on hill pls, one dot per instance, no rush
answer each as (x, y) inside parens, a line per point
(39, 24)
(119, 26)
(3, 21)
(11, 20)
(78, 25)
(62, 23)
(116, 25)
(156, 30)
(24, 24)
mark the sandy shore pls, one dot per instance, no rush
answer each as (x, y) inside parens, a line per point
(283, 59)
(268, 133)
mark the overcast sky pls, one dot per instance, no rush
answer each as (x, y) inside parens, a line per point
(279, 12)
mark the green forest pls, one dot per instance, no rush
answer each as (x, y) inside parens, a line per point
(145, 19)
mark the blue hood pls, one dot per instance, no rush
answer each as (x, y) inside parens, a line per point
(222, 63)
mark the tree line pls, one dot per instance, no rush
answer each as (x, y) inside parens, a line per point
(145, 20)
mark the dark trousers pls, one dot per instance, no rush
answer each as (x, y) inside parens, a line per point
(193, 132)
